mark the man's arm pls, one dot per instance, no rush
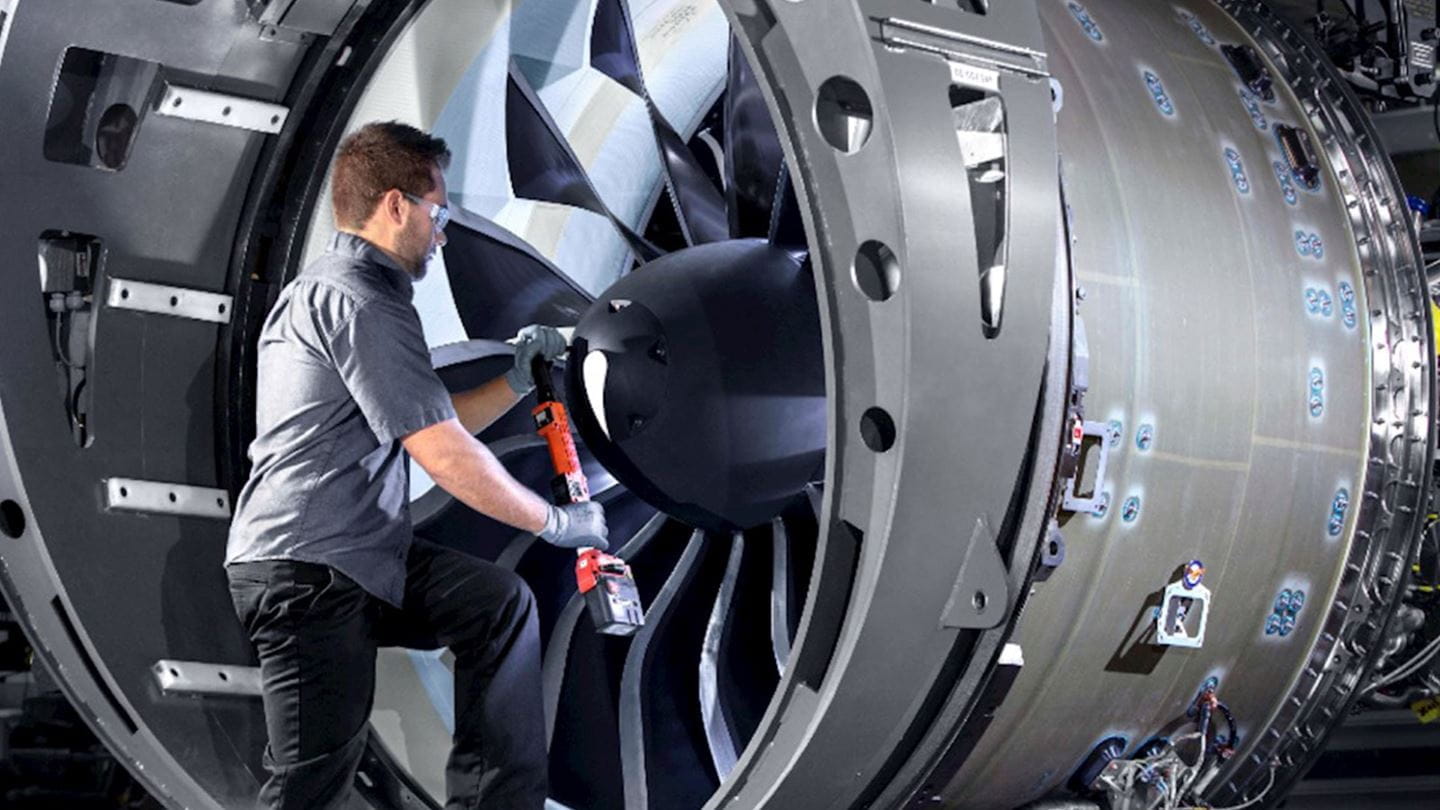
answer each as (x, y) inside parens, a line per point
(482, 405)
(467, 469)
(479, 407)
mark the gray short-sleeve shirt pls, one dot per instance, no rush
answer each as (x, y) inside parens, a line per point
(343, 373)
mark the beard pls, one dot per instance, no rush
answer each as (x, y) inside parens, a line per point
(423, 253)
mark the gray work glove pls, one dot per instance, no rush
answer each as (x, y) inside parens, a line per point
(577, 525)
(532, 341)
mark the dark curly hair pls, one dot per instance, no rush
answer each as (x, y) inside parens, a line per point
(376, 158)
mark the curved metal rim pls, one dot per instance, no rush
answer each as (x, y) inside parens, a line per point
(871, 498)
(1397, 474)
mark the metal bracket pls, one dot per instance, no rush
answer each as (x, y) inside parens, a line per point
(1097, 502)
(194, 678)
(1176, 606)
(957, 46)
(306, 16)
(161, 299)
(216, 108)
(981, 596)
(158, 497)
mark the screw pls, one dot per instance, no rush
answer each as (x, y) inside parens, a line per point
(1102, 506)
(1145, 437)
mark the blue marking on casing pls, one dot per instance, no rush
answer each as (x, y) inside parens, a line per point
(1348, 313)
(1237, 170)
(1130, 510)
(1252, 106)
(1157, 92)
(1193, 23)
(1287, 185)
(1338, 507)
(1309, 245)
(1285, 612)
(1087, 22)
(1114, 431)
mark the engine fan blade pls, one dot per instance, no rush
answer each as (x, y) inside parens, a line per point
(543, 167)
(698, 203)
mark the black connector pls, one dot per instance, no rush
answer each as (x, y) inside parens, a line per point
(1251, 69)
(1304, 166)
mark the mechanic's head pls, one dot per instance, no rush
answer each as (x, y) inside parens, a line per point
(387, 187)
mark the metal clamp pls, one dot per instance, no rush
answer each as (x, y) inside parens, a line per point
(194, 678)
(1073, 501)
(1184, 604)
(158, 497)
(217, 108)
(162, 299)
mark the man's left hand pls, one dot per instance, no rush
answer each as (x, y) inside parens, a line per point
(533, 341)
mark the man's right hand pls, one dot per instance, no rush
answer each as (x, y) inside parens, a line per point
(577, 525)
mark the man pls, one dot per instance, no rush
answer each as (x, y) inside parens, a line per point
(322, 564)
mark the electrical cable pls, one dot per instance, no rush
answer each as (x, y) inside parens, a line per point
(1249, 802)
(72, 404)
(59, 340)
(1408, 668)
(1232, 740)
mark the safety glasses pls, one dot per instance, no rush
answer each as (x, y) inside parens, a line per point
(439, 214)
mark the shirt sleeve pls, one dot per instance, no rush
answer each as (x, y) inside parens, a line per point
(381, 356)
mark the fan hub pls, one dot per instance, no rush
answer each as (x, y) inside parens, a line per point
(700, 384)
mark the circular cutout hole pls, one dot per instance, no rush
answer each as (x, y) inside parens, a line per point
(124, 294)
(176, 103)
(1054, 549)
(978, 600)
(220, 502)
(877, 429)
(274, 119)
(173, 498)
(12, 519)
(843, 114)
(222, 309)
(174, 673)
(124, 493)
(876, 271)
(223, 675)
(225, 111)
(174, 300)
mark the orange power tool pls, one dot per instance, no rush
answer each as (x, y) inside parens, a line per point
(604, 580)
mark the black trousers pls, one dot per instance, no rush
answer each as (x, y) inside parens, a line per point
(316, 633)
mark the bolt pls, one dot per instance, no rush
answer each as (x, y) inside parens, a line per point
(1130, 510)
(1102, 506)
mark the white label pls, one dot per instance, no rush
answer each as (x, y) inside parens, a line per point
(972, 76)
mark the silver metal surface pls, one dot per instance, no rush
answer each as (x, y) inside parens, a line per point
(164, 299)
(195, 678)
(780, 594)
(879, 517)
(1201, 334)
(162, 498)
(712, 712)
(1239, 402)
(193, 104)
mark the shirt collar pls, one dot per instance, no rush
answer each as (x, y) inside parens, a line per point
(357, 247)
